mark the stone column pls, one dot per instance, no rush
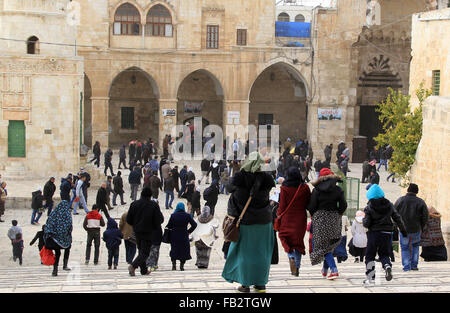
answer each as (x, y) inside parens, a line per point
(167, 122)
(100, 125)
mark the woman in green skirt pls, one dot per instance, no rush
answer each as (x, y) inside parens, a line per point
(248, 260)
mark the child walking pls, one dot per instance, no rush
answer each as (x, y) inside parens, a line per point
(13, 231)
(379, 214)
(113, 238)
(359, 238)
(40, 237)
(18, 248)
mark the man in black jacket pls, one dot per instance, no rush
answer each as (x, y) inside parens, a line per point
(108, 163)
(211, 195)
(49, 191)
(122, 157)
(65, 188)
(145, 217)
(414, 213)
(102, 200)
(118, 188)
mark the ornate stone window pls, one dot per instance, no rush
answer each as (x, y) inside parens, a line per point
(300, 18)
(283, 17)
(436, 84)
(159, 22)
(127, 20)
(33, 45)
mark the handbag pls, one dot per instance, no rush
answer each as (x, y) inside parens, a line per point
(231, 224)
(277, 221)
(166, 235)
(47, 256)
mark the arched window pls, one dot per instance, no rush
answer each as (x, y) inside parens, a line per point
(283, 17)
(33, 45)
(127, 20)
(300, 18)
(159, 22)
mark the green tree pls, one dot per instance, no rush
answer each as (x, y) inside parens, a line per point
(402, 129)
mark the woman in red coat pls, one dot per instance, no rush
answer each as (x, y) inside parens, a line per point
(293, 218)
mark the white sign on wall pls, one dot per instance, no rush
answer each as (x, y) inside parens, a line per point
(169, 112)
(234, 117)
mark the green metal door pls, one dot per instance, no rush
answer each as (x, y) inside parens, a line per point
(16, 139)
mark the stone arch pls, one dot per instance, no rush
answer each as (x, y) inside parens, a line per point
(201, 94)
(166, 4)
(279, 96)
(133, 107)
(114, 8)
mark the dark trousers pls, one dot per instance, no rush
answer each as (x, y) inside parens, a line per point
(97, 160)
(52, 245)
(93, 236)
(183, 189)
(115, 196)
(113, 253)
(143, 246)
(122, 161)
(109, 165)
(49, 206)
(377, 242)
(130, 251)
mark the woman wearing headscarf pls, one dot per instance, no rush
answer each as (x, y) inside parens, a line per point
(432, 241)
(248, 260)
(204, 237)
(58, 234)
(179, 236)
(327, 205)
(294, 199)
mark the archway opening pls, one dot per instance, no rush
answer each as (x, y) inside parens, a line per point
(133, 108)
(200, 95)
(278, 97)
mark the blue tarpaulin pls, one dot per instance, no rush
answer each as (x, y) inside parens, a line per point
(292, 29)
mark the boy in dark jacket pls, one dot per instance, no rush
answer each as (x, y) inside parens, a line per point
(49, 191)
(37, 200)
(65, 188)
(92, 223)
(113, 238)
(379, 214)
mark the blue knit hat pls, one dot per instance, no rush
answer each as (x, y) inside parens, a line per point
(375, 192)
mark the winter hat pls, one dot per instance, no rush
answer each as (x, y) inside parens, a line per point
(375, 192)
(146, 193)
(359, 216)
(413, 188)
(325, 172)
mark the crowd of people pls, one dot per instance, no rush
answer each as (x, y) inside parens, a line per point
(268, 215)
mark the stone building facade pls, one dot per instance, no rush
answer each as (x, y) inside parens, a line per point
(40, 90)
(141, 67)
(430, 29)
(242, 74)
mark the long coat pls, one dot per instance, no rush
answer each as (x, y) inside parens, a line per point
(179, 235)
(293, 223)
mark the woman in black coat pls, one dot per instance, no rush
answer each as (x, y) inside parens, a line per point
(180, 248)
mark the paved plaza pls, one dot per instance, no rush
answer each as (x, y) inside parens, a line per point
(33, 277)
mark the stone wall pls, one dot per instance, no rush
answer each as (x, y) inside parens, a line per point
(432, 158)
(430, 29)
(45, 93)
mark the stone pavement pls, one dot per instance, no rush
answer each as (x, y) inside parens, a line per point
(33, 277)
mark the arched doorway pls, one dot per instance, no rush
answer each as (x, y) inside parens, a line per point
(278, 97)
(200, 94)
(87, 112)
(133, 108)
